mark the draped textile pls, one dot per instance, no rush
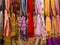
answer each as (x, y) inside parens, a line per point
(30, 18)
(6, 25)
(23, 23)
(53, 7)
(47, 7)
(48, 26)
(58, 24)
(6, 20)
(57, 6)
(39, 26)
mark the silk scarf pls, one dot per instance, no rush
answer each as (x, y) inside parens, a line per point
(53, 7)
(23, 23)
(47, 7)
(57, 6)
(48, 20)
(6, 20)
(6, 25)
(30, 18)
(58, 24)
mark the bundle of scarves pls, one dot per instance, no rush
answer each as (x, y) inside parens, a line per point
(50, 26)
(54, 6)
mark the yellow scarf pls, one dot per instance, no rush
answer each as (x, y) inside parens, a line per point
(48, 25)
(53, 7)
(46, 7)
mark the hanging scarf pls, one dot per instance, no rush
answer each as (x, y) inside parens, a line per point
(39, 26)
(6, 20)
(7, 4)
(54, 27)
(53, 7)
(23, 24)
(58, 24)
(13, 24)
(57, 6)
(30, 18)
(48, 25)
(48, 21)
(6, 24)
(46, 7)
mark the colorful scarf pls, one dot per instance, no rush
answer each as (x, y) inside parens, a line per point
(23, 24)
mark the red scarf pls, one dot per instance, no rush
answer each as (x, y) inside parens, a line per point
(30, 19)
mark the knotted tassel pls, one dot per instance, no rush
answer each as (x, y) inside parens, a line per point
(30, 18)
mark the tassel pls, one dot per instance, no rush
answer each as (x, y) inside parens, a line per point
(30, 19)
